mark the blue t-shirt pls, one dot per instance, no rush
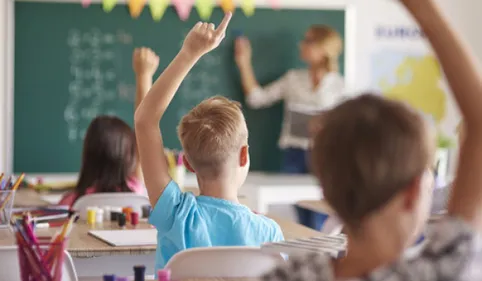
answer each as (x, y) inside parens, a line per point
(186, 221)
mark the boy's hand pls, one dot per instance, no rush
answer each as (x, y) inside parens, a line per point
(203, 37)
(144, 61)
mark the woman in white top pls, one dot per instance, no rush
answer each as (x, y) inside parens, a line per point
(304, 91)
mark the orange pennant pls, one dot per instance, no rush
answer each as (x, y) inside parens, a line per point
(227, 6)
(135, 7)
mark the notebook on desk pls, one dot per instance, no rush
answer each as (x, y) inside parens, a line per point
(126, 237)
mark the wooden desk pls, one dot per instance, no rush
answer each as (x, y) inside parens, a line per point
(27, 197)
(82, 245)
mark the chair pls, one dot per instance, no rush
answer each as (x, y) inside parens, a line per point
(221, 262)
(115, 199)
(9, 265)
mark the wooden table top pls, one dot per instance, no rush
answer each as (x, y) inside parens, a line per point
(27, 197)
(82, 245)
(318, 206)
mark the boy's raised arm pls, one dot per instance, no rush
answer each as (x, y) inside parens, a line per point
(464, 77)
(202, 38)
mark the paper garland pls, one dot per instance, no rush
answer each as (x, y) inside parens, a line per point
(275, 4)
(108, 5)
(135, 7)
(204, 8)
(183, 8)
(248, 7)
(86, 3)
(227, 6)
(158, 7)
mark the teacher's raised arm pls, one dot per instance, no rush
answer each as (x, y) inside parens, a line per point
(305, 92)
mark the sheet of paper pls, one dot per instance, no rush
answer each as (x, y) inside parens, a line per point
(127, 237)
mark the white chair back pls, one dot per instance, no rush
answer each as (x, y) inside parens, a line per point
(114, 199)
(10, 268)
(221, 262)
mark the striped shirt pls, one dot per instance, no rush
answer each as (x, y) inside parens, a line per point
(452, 253)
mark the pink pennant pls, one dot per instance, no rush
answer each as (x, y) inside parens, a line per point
(183, 8)
(86, 3)
(275, 4)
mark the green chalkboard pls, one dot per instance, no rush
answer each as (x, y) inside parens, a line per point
(72, 64)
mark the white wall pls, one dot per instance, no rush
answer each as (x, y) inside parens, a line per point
(366, 14)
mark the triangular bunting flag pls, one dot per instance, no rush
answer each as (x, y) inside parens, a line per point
(275, 4)
(183, 8)
(248, 7)
(227, 6)
(85, 3)
(158, 7)
(108, 5)
(135, 7)
(204, 8)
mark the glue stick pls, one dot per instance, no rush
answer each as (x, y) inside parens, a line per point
(91, 215)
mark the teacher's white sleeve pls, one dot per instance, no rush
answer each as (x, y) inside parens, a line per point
(270, 94)
(333, 90)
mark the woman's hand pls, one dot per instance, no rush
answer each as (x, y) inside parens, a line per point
(242, 51)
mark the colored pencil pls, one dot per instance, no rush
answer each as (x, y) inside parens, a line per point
(15, 186)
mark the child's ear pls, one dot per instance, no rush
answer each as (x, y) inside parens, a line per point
(243, 156)
(186, 163)
(412, 193)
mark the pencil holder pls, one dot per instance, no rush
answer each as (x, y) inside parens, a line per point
(178, 174)
(44, 263)
(6, 205)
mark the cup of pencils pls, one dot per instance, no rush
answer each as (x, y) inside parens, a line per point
(40, 258)
(7, 195)
(177, 171)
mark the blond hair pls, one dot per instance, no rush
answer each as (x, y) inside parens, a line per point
(211, 132)
(332, 44)
(370, 149)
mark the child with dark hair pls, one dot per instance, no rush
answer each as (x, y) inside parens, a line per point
(110, 161)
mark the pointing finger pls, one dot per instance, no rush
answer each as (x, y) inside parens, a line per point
(224, 24)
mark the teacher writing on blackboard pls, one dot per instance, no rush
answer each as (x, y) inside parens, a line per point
(304, 91)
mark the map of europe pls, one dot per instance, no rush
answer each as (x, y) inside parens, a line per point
(414, 79)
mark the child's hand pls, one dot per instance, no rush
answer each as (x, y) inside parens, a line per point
(144, 61)
(242, 51)
(203, 37)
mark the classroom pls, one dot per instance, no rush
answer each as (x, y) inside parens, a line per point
(92, 188)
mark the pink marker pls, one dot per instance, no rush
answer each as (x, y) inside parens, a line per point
(164, 275)
(179, 159)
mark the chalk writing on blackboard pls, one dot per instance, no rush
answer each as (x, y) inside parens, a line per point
(94, 82)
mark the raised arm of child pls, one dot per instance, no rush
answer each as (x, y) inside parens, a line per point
(202, 38)
(464, 77)
(144, 64)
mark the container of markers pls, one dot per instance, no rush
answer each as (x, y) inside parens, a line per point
(42, 263)
(6, 205)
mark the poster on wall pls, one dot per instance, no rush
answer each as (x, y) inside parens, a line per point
(404, 67)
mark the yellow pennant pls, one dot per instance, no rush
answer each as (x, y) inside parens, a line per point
(227, 6)
(108, 5)
(158, 7)
(135, 7)
(204, 8)
(248, 7)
